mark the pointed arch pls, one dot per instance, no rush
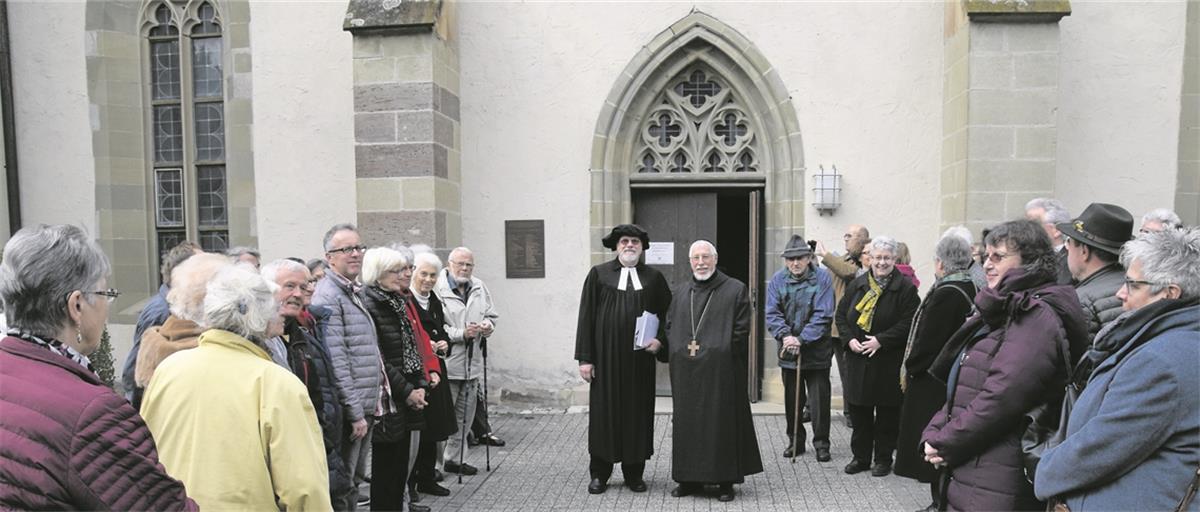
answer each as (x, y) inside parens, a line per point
(699, 41)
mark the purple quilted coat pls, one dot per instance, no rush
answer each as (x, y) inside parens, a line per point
(1004, 374)
(69, 442)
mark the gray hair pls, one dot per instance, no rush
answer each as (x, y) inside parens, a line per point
(378, 260)
(237, 252)
(271, 270)
(702, 243)
(190, 285)
(954, 252)
(315, 264)
(428, 258)
(420, 248)
(240, 301)
(325, 242)
(1167, 218)
(961, 232)
(403, 250)
(1056, 211)
(176, 255)
(884, 243)
(1171, 256)
(460, 250)
(42, 266)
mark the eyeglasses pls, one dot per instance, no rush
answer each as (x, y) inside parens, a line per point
(462, 264)
(397, 270)
(996, 257)
(110, 294)
(1130, 284)
(350, 249)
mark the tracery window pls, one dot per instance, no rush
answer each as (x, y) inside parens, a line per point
(187, 123)
(697, 125)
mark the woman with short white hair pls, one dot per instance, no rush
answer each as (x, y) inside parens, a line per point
(874, 318)
(1160, 219)
(237, 428)
(181, 331)
(68, 441)
(439, 414)
(410, 369)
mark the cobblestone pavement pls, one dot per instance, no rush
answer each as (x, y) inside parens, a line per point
(544, 467)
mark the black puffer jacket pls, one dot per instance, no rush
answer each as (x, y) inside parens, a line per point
(393, 331)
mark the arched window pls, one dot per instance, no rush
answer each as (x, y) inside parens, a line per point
(187, 123)
(697, 125)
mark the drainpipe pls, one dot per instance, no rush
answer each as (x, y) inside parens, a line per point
(10, 126)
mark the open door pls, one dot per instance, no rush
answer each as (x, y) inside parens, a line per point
(731, 219)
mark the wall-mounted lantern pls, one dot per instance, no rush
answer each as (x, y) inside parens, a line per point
(827, 190)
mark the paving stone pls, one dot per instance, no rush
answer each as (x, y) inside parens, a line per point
(545, 467)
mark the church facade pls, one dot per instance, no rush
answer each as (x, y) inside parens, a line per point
(526, 130)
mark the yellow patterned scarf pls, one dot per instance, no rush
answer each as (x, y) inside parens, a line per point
(866, 306)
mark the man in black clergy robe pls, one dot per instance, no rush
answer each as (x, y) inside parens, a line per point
(708, 331)
(615, 294)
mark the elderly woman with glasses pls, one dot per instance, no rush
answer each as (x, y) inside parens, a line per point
(874, 317)
(411, 370)
(945, 308)
(67, 441)
(1002, 363)
(239, 429)
(1133, 437)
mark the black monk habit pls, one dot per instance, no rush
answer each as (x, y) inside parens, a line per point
(621, 421)
(714, 439)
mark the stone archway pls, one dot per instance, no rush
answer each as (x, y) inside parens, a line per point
(698, 38)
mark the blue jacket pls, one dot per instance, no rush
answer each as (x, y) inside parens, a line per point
(1133, 438)
(154, 313)
(802, 307)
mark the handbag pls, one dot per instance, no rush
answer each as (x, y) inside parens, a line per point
(1047, 428)
(390, 428)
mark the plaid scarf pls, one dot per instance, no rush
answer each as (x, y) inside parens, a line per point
(413, 364)
(866, 306)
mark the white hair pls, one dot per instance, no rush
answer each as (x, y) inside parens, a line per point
(1167, 218)
(954, 252)
(427, 258)
(271, 270)
(420, 248)
(189, 285)
(702, 243)
(1056, 211)
(240, 301)
(884, 243)
(378, 260)
(961, 232)
(1170, 256)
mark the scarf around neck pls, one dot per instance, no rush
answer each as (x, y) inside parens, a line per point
(55, 346)
(412, 363)
(866, 305)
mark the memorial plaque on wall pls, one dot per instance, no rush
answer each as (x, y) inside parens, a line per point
(525, 249)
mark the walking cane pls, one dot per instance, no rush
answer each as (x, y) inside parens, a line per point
(796, 410)
(462, 447)
(487, 446)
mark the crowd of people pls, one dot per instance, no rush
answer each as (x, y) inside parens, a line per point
(1055, 361)
(348, 382)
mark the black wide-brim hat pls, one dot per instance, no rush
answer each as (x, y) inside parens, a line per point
(1104, 226)
(621, 230)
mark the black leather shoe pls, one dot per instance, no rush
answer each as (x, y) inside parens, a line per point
(597, 486)
(465, 469)
(638, 485)
(856, 466)
(823, 455)
(433, 488)
(682, 490)
(881, 469)
(491, 439)
(413, 507)
(791, 451)
(726, 493)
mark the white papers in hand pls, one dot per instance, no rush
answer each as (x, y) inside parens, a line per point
(645, 330)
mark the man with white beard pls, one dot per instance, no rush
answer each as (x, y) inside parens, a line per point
(708, 342)
(621, 418)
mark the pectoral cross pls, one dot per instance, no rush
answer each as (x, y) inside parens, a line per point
(692, 348)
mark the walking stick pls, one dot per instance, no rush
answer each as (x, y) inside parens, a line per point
(487, 446)
(796, 410)
(462, 447)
